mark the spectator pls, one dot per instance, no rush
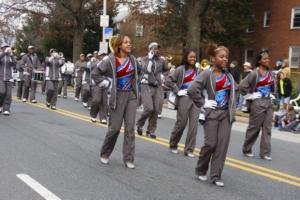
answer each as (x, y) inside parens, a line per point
(278, 65)
(234, 71)
(286, 69)
(284, 86)
(289, 121)
(282, 112)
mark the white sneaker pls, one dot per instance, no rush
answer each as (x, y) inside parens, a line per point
(103, 121)
(76, 99)
(89, 108)
(58, 95)
(268, 158)
(202, 178)
(33, 101)
(94, 120)
(1, 109)
(249, 155)
(219, 183)
(53, 107)
(159, 116)
(6, 113)
(175, 151)
(104, 161)
(85, 104)
(24, 100)
(129, 165)
(190, 155)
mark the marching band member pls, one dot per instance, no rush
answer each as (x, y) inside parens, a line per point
(31, 63)
(180, 81)
(86, 82)
(99, 101)
(20, 78)
(258, 88)
(52, 73)
(122, 68)
(66, 75)
(7, 65)
(151, 89)
(214, 90)
(80, 66)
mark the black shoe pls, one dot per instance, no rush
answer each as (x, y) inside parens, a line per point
(152, 135)
(48, 105)
(148, 133)
(53, 107)
(139, 131)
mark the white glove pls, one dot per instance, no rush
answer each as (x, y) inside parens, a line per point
(84, 82)
(210, 104)
(272, 97)
(182, 93)
(8, 50)
(55, 55)
(51, 58)
(93, 59)
(104, 84)
(26, 73)
(150, 54)
(255, 95)
(149, 67)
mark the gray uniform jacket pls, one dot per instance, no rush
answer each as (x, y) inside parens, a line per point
(205, 84)
(248, 84)
(174, 81)
(159, 66)
(7, 64)
(79, 68)
(20, 70)
(107, 69)
(30, 62)
(53, 66)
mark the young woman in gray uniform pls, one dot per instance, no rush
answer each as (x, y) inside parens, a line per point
(179, 82)
(258, 87)
(122, 68)
(214, 90)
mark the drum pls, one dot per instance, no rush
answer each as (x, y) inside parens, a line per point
(68, 68)
(38, 76)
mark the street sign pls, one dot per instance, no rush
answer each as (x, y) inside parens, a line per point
(103, 47)
(108, 33)
(104, 20)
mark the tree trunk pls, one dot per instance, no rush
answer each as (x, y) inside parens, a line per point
(195, 11)
(77, 43)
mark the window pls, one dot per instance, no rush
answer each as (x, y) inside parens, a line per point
(250, 28)
(294, 56)
(139, 30)
(249, 55)
(295, 23)
(267, 19)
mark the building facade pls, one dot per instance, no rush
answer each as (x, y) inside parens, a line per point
(277, 29)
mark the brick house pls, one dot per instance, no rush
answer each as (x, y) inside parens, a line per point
(277, 29)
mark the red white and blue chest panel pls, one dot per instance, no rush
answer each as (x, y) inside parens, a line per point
(189, 76)
(223, 86)
(264, 84)
(125, 74)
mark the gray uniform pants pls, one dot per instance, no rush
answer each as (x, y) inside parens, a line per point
(63, 86)
(20, 89)
(187, 110)
(5, 95)
(86, 93)
(125, 111)
(99, 102)
(29, 84)
(151, 99)
(78, 84)
(217, 128)
(51, 92)
(261, 115)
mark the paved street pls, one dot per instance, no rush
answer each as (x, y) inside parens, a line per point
(59, 150)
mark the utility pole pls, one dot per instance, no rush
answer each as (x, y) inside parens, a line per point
(104, 13)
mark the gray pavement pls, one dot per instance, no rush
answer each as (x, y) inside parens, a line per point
(60, 150)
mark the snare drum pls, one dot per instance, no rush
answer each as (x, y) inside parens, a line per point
(38, 76)
(68, 68)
